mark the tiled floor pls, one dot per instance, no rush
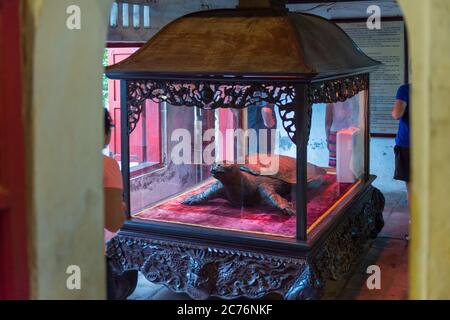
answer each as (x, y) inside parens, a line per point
(389, 251)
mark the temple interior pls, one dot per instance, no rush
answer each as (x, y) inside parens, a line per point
(254, 149)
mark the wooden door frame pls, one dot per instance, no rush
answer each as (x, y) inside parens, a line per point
(14, 271)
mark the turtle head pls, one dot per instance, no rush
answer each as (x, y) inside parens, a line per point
(223, 170)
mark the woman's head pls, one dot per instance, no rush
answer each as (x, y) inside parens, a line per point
(108, 125)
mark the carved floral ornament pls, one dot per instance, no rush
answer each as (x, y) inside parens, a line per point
(213, 95)
(203, 271)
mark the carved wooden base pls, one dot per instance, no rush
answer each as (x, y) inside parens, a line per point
(206, 271)
(348, 240)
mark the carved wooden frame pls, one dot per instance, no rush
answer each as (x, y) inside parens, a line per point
(204, 271)
(226, 270)
(238, 95)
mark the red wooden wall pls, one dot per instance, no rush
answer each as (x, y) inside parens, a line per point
(145, 140)
(14, 272)
(116, 55)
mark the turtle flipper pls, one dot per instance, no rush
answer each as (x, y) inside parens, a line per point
(213, 192)
(273, 199)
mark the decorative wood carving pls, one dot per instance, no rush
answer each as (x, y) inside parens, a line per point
(203, 95)
(348, 240)
(287, 115)
(338, 90)
(204, 271)
(239, 95)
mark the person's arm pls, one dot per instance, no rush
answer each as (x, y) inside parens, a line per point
(268, 116)
(399, 109)
(114, 209)
(401, 102)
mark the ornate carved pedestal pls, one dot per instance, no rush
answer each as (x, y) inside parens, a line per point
(204, 271)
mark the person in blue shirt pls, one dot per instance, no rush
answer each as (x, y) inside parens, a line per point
(402, 140)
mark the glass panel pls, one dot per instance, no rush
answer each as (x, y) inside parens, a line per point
(145, 140)
(113, 17)
(337, 147)
(136, 15)
(221, 172)
(146, 16)
(125, 15)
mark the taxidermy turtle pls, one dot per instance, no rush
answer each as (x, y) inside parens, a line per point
(250, 185)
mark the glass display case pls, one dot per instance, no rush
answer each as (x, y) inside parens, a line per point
(235, 169)
(222, 172)
(337, 144)
(255, 158)
(232, 169)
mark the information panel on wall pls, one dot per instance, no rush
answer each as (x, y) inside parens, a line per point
(386, 45)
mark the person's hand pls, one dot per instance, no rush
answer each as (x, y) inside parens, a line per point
(268, 117)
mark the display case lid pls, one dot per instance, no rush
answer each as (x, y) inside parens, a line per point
(246, 42)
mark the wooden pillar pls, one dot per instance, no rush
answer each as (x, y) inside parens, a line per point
(14, 272)
(429, 26)
(125, 146)
(65, 140)
(301, 138)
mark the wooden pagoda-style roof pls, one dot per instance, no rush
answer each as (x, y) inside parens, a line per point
(246, 42)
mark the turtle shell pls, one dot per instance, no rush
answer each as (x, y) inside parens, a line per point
(286, 170)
